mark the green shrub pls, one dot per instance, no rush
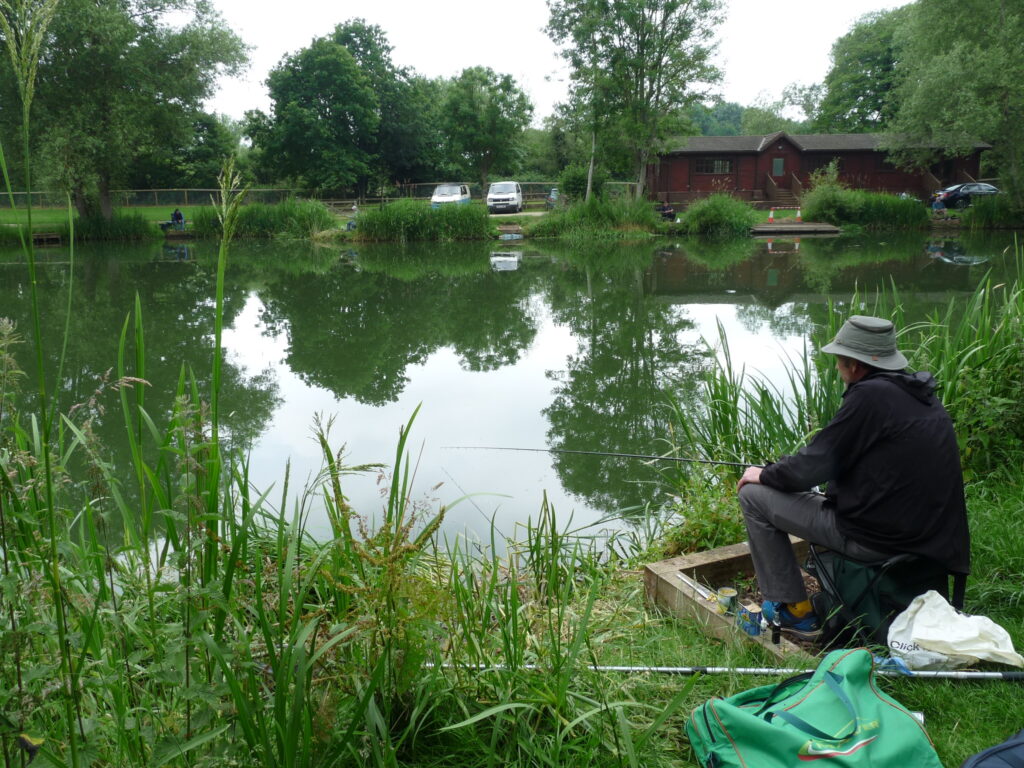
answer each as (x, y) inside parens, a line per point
(573, 182)
(993, 212)
(289, 218)
(414, 220)
(121, 226)
(718, 215)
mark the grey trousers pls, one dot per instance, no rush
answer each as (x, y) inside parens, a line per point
(772, 515)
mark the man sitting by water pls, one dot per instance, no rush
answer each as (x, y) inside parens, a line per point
(892, 465)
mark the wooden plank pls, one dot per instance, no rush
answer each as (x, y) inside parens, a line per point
(45, 238)
(714, 568)
(795, 228)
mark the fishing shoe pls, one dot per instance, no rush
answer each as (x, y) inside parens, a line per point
(805, 627)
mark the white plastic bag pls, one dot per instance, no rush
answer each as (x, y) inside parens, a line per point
(931, 634)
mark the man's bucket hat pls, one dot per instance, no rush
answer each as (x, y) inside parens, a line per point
(871, 340)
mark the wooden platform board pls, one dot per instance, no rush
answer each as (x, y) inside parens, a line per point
(794, 228)
(45, 238)
(713, 569)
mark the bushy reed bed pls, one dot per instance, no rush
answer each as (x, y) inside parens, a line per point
(598, 218)
(993, 212)
(835, 204)
(299, 219)
(718, 215)
(123, 226)
(410, 220)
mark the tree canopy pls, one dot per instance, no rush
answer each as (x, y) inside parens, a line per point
(118, 81)
(635, 67)
(969, 89)
(484, 116)
(860, 87)
(323, 120)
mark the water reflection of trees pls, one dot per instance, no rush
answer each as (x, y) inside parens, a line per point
(611, 395)
(355, 330)
(177, 322)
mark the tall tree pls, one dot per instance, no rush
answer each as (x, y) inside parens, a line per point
(197, 163)
(484, 117)
(766, 117)
(638, 63)
(723, 118)
(860, 87)
(404, 146)
(323, 120)
(970, 89)
(119, 79)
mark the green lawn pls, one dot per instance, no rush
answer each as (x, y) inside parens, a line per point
(49, 217)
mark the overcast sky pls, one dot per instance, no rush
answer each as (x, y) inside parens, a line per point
(762, 46)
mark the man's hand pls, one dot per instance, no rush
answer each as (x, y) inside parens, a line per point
(750, 475)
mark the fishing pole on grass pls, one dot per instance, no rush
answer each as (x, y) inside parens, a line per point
(928, 674)
(600, 453)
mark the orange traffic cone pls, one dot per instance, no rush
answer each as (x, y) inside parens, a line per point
(798, 215)
(771, 215)
(769, 243)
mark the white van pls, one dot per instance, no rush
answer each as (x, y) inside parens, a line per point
(449, 193)
(505, 196)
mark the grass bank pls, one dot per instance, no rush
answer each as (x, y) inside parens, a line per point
(180, 617)
(300, 219)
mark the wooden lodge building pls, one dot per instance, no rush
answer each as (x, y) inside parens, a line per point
(775, 168)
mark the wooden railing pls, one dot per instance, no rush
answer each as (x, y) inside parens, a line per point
(796, 186)
(930, 182)
(771, 189)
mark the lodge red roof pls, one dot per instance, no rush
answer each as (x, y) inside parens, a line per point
(805, 142)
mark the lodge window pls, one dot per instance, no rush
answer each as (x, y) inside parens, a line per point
(715, 165)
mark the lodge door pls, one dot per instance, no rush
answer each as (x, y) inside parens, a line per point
(779, 171)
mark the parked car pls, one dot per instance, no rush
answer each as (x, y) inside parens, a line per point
(449, 193)
(960, 195)
(551, 200)
(505, 196)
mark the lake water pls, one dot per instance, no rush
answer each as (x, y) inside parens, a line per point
(529, 345)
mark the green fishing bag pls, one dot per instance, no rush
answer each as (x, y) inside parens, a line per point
(835, 713)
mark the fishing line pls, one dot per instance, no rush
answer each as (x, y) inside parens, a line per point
(762, 671)
(646, 457)
(465, 495)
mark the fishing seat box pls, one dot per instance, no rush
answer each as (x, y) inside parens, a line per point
(715, 568)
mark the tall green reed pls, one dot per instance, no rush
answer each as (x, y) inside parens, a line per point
(520, 641)
(289, 218)
(24, 25)
(600, 218)
(407, 220)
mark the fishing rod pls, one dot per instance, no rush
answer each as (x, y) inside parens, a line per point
(928, 674)
(601, 453)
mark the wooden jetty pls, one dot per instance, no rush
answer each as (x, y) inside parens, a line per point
(45, 238)
(794, 228)
(713, 569)
(178, 234)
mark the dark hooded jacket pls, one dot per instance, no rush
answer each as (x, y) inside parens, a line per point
(892, 465)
